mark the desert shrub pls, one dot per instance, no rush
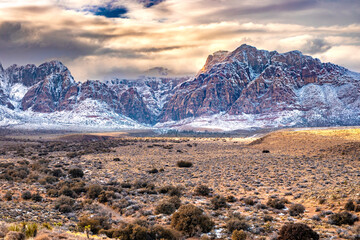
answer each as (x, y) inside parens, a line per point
(64, 204)
(184, 164)
(43, 236)
(296, 209)
(8, 196)
(238, 235)
(350, 206)
(136, 231)
(171, 190)
(94, 191)
(14, 236)
(76, 173)
(342, 218)
(165, 207)
(103, 197)
(231, 199)
(236, 224)
(95, 223)
(52, 193)
(57, 173)
(26, 195)
(176, 201)
(125, 185)
(322, 200)
(66, 191)
(116, 160)
(357, 208)
(165, 233)
(153, 171)
(31, 229)
(191, 220)
(297, 231)
(202, 190)
(266, 151)
(277, 203)
(218, 202)
(36, 197)
(268, 218)
(249, 201)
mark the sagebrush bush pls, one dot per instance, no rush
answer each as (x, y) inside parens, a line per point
(8, 196)
(236, 224)
(26, 195)
(94, 191)
(96, 223)
(218, 202)
(277, 203)
(202, 190)
(191, 220)
(296, 209)
(184, 164)
(350, 206)
(343, 218)
(238, 235)
(76, 173)
(297, 231)
(165, 207)
(14, 236)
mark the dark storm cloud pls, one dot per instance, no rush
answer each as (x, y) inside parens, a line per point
(12, 31)
(316, 45)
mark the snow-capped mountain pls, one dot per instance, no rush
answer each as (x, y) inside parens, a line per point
(234, 90)
(251, 87)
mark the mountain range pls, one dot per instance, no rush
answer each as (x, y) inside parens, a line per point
(242, 89)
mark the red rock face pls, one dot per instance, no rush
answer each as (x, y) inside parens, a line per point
(47, 95)
(250, 81)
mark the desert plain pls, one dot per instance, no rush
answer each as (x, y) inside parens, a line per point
(121, 185)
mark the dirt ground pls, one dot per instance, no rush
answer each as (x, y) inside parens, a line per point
(318, 168)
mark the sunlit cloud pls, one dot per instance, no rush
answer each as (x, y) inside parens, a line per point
(105, 39)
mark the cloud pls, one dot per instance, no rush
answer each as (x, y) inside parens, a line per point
(96, 43)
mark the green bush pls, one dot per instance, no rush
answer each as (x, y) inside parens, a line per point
(191, 220)
(297, 231)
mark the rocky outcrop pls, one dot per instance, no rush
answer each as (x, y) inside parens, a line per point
(48, 94)
(252, 81)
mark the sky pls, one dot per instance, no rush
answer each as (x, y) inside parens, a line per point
(125, 38)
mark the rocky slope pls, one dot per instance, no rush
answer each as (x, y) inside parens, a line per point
(255, 82)
(240, 89)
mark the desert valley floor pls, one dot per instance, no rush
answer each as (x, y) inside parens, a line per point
(104, 183)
